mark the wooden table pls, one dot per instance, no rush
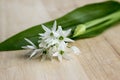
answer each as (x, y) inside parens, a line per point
(99, 60)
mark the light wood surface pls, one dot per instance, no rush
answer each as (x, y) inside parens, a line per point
(99, 60)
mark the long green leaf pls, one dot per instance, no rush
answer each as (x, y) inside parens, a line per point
(70, 20)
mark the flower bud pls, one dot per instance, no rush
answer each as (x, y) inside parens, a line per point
(80, 29)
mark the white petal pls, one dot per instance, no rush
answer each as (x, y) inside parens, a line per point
(24, 47)
(41, 34)
(75, 50)
(33, 53)
(62, 45)
(30, 42)
(68, 40)
(28, 47)
(45, 28)
(67, 33)
(54, 26)
(59, 31)
(55, 54)
(55, 34)
(47, 40)
(31, 47)
(60, 58)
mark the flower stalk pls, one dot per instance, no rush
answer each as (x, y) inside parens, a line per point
(97, 23)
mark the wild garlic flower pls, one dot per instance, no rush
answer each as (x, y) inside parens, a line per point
(52, 43)
(50, 35)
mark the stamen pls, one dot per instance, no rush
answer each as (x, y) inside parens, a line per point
(61, 52)
(61, 38)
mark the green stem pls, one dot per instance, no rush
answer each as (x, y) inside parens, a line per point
(100, 26)
(98, 21)
(83, 28)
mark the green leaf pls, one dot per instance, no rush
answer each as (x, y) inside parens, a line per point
(71, 20)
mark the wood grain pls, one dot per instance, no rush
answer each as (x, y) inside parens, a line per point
(99, 60)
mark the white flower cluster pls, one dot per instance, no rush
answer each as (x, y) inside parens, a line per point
(53, 43)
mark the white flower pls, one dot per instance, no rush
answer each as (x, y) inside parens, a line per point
(52, 43)
(63, 35)
(64, 53)
(61, 54)
(50, 35)
(32, 47)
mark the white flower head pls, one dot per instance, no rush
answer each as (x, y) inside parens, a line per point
(60, 54)
(63, 35)
(52, 43)
(50, 34)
